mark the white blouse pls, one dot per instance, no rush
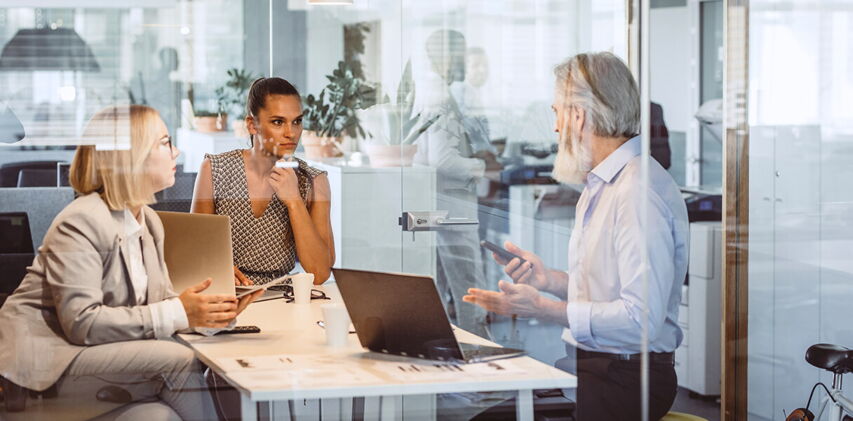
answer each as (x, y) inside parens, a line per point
(167, 316)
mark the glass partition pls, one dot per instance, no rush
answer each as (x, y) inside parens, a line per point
(799, 206)
(435, 127)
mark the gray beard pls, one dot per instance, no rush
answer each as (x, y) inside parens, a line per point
(572, 166)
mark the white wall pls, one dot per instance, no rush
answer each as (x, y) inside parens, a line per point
(669, 69)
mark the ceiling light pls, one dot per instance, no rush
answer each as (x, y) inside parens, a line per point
(48, 49)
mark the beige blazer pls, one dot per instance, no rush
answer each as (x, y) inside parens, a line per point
(78, 293)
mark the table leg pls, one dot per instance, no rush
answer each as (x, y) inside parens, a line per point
(346, 408)
(372, 407)
(305, 409)
(419, 407)
(248, 408)
(336, 409)
(280, 410)
(524, 405)
(391, 408)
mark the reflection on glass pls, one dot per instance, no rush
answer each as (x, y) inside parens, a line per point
(800, 200)
(447, 146)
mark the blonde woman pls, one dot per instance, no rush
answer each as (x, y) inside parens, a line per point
(97, 307)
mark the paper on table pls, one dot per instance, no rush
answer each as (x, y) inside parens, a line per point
(304, 377)
(285, 362)
(261, 362)
(424, 371)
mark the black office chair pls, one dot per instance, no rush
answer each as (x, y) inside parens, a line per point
(16, 253)
(177, 198)
(37, 177)
(16, 250)
(10, 172)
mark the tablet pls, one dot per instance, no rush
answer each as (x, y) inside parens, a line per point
(246, 290)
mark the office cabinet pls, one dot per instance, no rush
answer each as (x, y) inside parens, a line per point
(786, 289)
(366, 205)
(697, 360)
(194, 145)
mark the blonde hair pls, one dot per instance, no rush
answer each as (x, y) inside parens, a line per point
(112, 163)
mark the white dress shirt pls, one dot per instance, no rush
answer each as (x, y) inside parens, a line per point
(167, 316)
(606, 267)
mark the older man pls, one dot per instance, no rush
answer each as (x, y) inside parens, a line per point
(627, 229)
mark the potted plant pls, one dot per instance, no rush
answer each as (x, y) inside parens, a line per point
(332, 114)
(231, 98)
(208, 121)
(392, 127)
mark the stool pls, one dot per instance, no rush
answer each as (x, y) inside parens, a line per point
(678, 416)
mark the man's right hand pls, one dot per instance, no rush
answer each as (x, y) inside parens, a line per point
(204, 310)
(531, 272)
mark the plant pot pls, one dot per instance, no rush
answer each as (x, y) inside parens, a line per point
(240, 129)
(317, 147)
(209, 124)
(390, 155)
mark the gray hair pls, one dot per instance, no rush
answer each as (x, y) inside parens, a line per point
(602, 85)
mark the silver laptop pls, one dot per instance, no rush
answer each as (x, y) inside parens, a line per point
(403, 315)
(197, 247)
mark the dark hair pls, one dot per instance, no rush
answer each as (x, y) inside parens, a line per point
(262, 88)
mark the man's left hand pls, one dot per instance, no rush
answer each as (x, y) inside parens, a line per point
(520, 299)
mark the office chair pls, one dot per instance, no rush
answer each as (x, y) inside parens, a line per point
(10, 171)
(16, 250)
(177, 198)
(36, 177)
(16, 253)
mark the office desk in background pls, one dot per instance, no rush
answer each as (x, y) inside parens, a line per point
(335, 375)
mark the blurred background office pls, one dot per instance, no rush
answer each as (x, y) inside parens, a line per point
(748, 101)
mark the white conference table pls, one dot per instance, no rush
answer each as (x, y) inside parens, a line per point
(333, 376)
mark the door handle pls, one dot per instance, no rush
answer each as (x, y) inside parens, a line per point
(456, 221)
(431, 221)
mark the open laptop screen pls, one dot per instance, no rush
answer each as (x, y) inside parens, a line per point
(398, 314)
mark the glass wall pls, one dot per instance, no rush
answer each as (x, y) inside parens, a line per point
(686, 86)
(800, 205)
(446, 114)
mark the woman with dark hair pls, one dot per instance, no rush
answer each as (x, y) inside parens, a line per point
(278, 205)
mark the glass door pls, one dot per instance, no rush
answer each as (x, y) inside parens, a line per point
(485, 144)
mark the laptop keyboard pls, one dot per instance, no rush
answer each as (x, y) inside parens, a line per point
(280, 288)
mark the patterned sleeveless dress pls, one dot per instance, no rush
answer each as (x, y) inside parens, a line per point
(264, 248)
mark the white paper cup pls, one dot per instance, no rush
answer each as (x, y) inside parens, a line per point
(302, 283)
(336, 321)
(286, 164)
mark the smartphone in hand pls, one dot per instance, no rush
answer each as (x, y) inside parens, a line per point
(500, 251)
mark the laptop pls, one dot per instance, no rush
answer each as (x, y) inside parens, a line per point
(197, 247)
(403, 315)
(16, 250)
